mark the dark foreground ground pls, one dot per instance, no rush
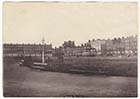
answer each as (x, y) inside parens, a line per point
(23, 81)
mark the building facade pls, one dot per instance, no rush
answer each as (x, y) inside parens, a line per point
(69, 44)
(131, 45)
(114, 47)
(97, 45)
(26, 50)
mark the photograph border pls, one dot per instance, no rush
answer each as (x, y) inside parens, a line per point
(1, 38)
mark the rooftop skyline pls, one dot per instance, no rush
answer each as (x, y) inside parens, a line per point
(59, 22)
(40, 43)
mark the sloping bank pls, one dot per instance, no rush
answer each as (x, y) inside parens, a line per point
(113, 66)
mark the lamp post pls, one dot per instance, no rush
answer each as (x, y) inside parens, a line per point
(43, 42)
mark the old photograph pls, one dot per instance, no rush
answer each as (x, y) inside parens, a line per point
(70, 49)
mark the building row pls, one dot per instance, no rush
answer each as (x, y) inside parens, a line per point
(26, 49)
(102, 47)
(99, 47)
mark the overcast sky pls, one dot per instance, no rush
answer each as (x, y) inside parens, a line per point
(59, 22)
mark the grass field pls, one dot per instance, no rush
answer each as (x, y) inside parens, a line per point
(112, 66)
(23, 81)
(118, 66)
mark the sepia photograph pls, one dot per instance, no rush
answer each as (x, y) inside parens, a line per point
(70, 49)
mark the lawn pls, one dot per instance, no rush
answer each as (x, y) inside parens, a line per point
(27, 82)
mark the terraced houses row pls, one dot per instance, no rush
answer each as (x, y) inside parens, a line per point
(110, 47)
(99, 47)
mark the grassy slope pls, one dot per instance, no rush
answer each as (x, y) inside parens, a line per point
(118, 66)
(22, 81)
(109, 66)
